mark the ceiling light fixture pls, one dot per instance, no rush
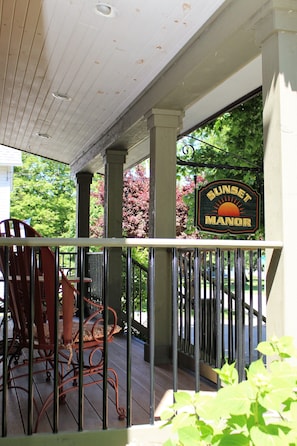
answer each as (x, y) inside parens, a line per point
(43, 135)
(61, 96)
(105, 9)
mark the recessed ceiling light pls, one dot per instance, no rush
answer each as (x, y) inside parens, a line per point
(61, 96)
(43, 135)
(105, 9)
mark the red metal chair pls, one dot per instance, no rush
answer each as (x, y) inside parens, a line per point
(40, 292)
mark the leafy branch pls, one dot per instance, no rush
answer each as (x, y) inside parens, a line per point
(262, 410)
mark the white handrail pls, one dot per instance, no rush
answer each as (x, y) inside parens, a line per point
(145, 243)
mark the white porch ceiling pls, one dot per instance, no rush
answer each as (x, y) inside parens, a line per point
(195, 55)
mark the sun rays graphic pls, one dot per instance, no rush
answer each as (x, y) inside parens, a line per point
(229, 207)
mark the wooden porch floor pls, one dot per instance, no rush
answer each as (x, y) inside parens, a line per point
(68, 413)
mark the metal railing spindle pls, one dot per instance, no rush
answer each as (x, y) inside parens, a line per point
(175, 318)
(33, 283)
(129, 334)
(56, 343)
(152, 333)
(5, 342)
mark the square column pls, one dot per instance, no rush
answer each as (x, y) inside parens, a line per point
(113, 216)
(163, 126)
(83, 180)
(277, 33)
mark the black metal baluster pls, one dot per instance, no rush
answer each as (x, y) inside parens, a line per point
(56, 343)
(175, 318)
(188, 303)
(181, 296)
(250, 309)
(81, 306)
(203, 311)
(5, 342)
(33, 279)
(129, 332)
(230, 308)
(239, 314)
(217, 308)
(197, 302)
(152, 332)
(105, 344)
(260, 297)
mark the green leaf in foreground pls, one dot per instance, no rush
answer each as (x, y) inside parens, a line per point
(260, 411)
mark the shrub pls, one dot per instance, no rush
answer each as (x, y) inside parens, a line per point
(260, 411)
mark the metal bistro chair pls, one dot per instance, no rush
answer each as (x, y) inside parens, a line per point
(54, 323)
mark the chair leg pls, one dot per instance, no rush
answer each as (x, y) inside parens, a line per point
(114, 382)
(67, 379)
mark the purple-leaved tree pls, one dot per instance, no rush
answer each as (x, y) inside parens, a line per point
(136, 205)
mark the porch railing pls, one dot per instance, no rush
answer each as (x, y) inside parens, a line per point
(222, 294)
(231, 301)
(218, 301)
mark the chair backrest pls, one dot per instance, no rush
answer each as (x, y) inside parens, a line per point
(33, 288)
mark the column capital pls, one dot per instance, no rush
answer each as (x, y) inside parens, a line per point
(274, 17)
(115, 156)
(84, 177)
(164, 118)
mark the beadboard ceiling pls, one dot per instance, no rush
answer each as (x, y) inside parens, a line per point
(74, 82)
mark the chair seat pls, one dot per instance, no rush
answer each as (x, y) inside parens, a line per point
(92, 331)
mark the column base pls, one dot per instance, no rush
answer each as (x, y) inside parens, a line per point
(163, 354)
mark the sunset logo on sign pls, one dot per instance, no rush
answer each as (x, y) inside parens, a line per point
(228, 206)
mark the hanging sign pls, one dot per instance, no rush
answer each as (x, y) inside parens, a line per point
(228, 206)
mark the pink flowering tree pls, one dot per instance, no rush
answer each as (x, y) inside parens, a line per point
(136, 206)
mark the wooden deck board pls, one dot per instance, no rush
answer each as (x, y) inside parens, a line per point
(93, 405)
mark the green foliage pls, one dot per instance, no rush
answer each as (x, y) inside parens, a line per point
(233, 139)
(141, 256)
(44, 193)
(262, 410)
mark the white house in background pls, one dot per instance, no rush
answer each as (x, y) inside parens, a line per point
(8, 159)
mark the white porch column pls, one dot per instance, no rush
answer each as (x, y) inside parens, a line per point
(163, 126)
(277, 30)
(113, 216)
